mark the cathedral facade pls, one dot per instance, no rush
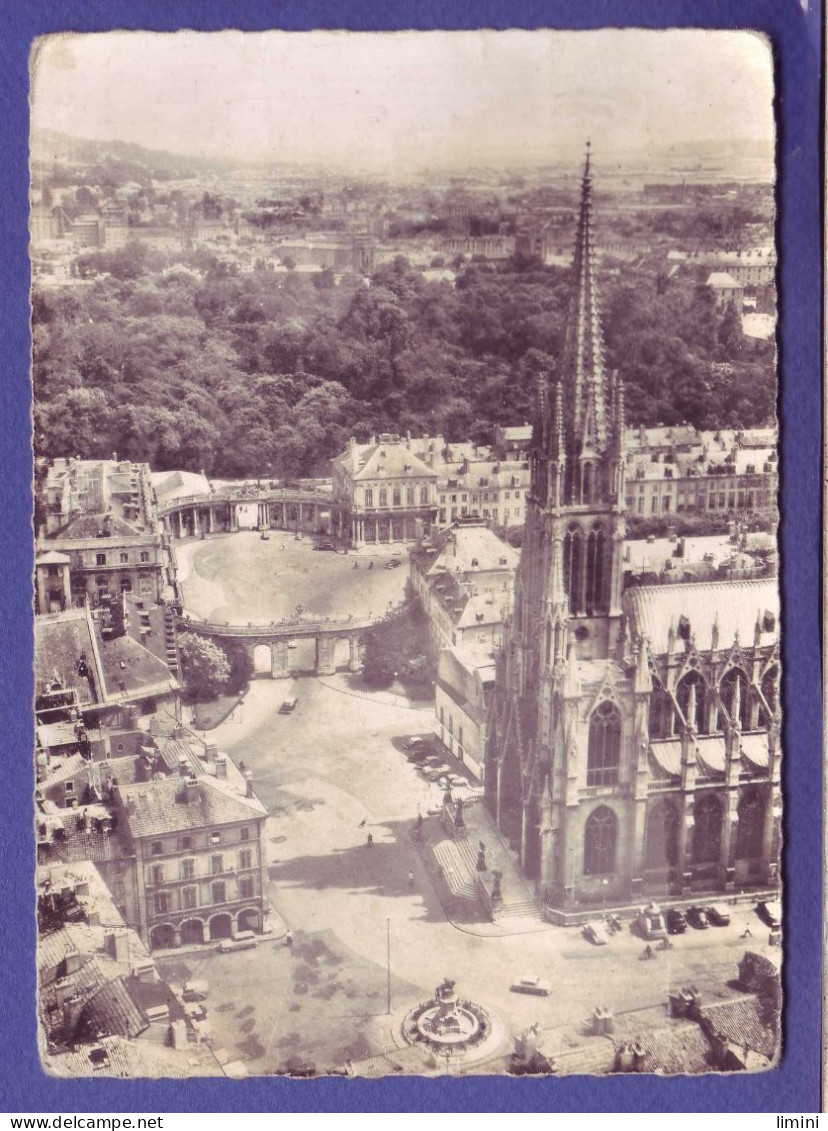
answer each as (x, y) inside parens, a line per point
(633, 743)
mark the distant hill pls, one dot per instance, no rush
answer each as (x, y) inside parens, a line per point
(51, 146)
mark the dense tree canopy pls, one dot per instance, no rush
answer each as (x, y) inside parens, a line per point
(186, 363)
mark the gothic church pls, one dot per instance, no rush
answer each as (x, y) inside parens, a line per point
(633, 745)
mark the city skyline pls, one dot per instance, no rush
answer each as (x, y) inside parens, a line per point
(397, 102)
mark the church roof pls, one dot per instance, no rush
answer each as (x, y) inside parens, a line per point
(737, 605)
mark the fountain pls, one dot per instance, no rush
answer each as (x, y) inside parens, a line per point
(449, 1026)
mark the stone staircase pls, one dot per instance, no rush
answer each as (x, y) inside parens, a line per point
(456, 859)
(518, 909)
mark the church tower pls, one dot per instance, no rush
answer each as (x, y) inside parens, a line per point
(567, 610)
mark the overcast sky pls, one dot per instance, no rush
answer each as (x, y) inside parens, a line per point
(406, 99)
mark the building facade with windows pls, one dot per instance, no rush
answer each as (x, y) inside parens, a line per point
(198, 842)
(463, 578)
(633, 740)
(102, 516)
(382, 492)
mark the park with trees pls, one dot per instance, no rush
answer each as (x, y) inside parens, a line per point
(180, 361)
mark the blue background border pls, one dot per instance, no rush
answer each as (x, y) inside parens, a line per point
(794, 1087)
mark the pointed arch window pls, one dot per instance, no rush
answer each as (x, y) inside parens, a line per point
(574, 568)
(770, 692)
(749, 830)
(662, 722)
(662, 836)
(692, 686)
(735, 695)
(595, 571)
(587, 483)
(604, 752)
(707, 830)
(600, 839)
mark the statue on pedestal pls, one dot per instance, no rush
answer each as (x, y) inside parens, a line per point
(481, 865)
(496, 878)
(459, 820)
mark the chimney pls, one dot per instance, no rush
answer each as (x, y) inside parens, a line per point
(183, 767)
(178, 1034)
(210, 751)
(221, 765)
(248, 783)
(72, 1009)
(145, 972)
(117, 945)
(191, 792)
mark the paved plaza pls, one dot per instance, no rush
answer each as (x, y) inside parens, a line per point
(330, 774)
(243, 578)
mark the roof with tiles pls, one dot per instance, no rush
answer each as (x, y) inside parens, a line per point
(736, 605)
(413, 1061)
(748, 1021)
(472, 548)
(65, 652)
(112, 1011)
(82, 983)
(386, 458)
(130, 668)
(158, 807)
(118, 1057)
(82, 939)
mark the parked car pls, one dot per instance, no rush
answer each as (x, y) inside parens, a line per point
(675, 921)
(417, 742)
(770, 912)
(531, 984)
(393, 563)
(596, 933)
(196, 1011)
(433, 773)
(697, 918)
(288, 706)
(718, 915)
(244, 940)
(650, 922)
(325, 546)
(195, 991)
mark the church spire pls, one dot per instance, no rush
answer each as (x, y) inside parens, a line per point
(585, 374)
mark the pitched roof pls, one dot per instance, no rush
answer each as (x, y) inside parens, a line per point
(60, 641)
(116, 1056)
(384, 459)
(130, 669)
(721, 279)
(473, 548)
(112, 1011)
(746, 1021)
(736, 604)
(157, 807)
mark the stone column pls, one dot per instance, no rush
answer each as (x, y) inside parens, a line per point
(234, 517)
(196, 523)
(325, 646)
(354, 660)
(685, 839)
(279, 659)
(727, 851)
